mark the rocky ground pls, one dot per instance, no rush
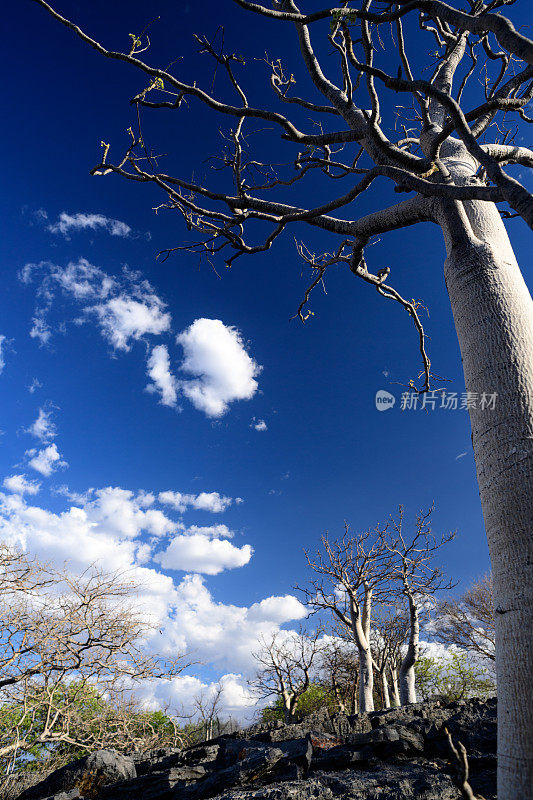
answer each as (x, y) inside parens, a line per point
(400, 754)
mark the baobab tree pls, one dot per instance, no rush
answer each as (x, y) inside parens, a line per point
(353, 572)
(451, 159)
(285, 665)
(390, 630)
(419, 579)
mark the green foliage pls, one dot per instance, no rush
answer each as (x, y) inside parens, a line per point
(455, 679)
(342, 15)
(314, 698)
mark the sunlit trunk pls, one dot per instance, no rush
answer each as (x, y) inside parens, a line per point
(394, 686)
(407, 668)
(366, 681)
(385, 689)
(361, 634)
(493, 316)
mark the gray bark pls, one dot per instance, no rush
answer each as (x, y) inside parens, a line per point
(394, 686)
(407, 668)
(493, 316)
(361, 634)
(385, 689)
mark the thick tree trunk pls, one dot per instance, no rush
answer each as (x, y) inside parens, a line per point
(385, 689)
(361, 634)
(341, 706)
(289, 704)
(394, 686)
(407, 668)
(493, 316)
(366, 680)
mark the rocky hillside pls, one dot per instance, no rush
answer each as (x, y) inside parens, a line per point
(400, 754)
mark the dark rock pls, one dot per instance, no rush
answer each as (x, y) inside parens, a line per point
(298, 752)
(151, 760)
(254, 767)
(87, 775)
(72, 795)
(317, 723)
(399, 754)
(341, 757)
(154, 785)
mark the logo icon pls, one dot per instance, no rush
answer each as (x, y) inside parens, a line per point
(384, 400)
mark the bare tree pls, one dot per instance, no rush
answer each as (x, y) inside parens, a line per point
(207, 705)
(390, 630)
(66, 643)
(285, 665)
(456, 181)
(468, 621)
(419, 580)
(353, 572)
(339, 672)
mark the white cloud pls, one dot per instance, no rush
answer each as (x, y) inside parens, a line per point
(72, 223)
(124, 318)
(117, 529)
(205, 501)
(259, 425)
(164, 381)
(121, 514)
(2, 353)
(220, 633)
(235, 699)
(83, 281)
(34, 385)
(126, 307)
(461, 455)
(43, 428)
(215, 353)
(46, 461)
(19, 484)
(198, 552)
(214, 531)
(40, 329)
(278, 609)
(212, 501)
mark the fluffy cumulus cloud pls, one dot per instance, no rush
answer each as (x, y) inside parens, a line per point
(220, 633)
(234, 697)
(46, 461)
(200, 552)
(19, 484)
(205, 501)
(216, 368)
(214, 531)
(277, 609)
(122, 514)
(43, 428)
(125, 307)
(125, 318)
(72, 223)
(117, 529)
(163, 381)
(223, 371)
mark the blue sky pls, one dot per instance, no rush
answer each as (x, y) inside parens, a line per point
(276, 416)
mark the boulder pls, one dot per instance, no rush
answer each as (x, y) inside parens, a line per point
(87, 775)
